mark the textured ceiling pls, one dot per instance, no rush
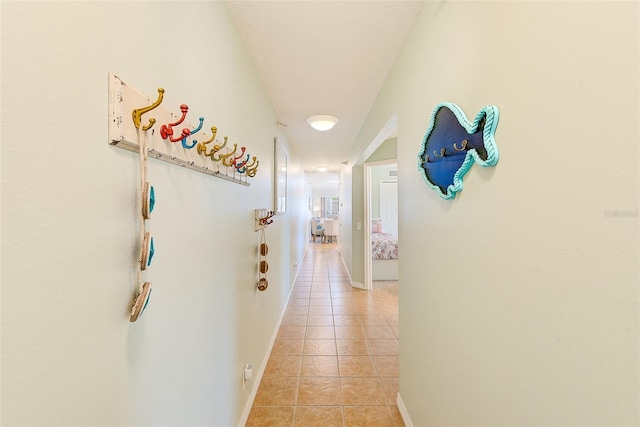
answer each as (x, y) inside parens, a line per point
(323, 57)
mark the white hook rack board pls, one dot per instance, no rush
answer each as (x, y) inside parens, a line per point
(262, 214)
(124, 99)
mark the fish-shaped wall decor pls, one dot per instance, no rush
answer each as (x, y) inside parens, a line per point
(452, 144)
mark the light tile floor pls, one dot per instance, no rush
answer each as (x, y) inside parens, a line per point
(335, 358)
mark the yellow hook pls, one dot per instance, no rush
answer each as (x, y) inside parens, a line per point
(224, 157)
(138, 112)
(252, 171)
(202, 146)
(217, 148)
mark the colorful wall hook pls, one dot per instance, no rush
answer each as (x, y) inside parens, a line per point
(166, 131)
(452, 144)
(184, 140)
(138, 112)
(202, 146)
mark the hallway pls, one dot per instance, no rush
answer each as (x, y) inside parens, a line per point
(335, 358)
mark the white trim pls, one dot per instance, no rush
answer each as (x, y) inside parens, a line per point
(354, 284)
(258, 378)
(388, 130)
(403, 412)
(358, 285)
(368, 253)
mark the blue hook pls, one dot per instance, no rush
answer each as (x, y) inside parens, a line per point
(243, 163)
(184, 140)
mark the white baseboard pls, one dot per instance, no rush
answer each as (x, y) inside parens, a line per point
(358, 285)
(403, 412)
(258, 378)
(354, 284)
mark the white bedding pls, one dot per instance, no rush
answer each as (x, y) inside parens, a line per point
(384, 246)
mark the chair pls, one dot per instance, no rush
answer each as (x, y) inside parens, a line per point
(317, 230)
(331, 229)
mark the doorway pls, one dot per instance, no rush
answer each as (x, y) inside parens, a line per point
(381, 218)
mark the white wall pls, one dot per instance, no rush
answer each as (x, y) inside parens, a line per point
(519, 298)
(70, 356)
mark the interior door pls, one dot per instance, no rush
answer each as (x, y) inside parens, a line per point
(389, 206)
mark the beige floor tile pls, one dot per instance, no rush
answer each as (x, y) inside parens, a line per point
(283, 366)
(397, 418)
(356, 366)
(349, 331)
(373, 319)
(344, 310)
(352, 347)
(284, 347)
(297, 311)
(378, 332)
(362, 391)
(388, 347)
(277, 391)
(346, 319)
(320, 282)
(319, 391)
(367, 309)
(368, 416)
(320, 332)
(342, 302)
(392, 319)
(387, 366)
(294, 320)
(337, 345)
(320, 294)
(320, 347)
(320, 310)
(319, 301)
(319, 416)
(271, 416)
(340, 293)
(319, 366)
(304, 282)
(291, 332)
(391, 387)
(298, 302)
(396, 330)
(320, 320)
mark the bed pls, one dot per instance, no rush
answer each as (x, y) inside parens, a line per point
(384, 250)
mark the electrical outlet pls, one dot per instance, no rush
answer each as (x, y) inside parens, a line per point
(247, 374)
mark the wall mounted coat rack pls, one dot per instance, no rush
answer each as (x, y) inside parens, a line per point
(452, 144)
(174, 140)
(264, 217)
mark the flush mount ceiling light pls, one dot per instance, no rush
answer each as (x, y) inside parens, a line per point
(322, 168)
(322, 121)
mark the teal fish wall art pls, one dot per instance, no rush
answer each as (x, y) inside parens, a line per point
(452, 144)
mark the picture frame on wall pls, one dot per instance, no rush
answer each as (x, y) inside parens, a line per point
(280, 178)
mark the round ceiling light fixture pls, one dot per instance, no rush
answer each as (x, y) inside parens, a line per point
(322, 122)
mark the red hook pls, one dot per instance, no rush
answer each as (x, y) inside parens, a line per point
(267, 219)
(166, 131)
(235, 159)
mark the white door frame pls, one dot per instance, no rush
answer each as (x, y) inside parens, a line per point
(368, 253)
(389, 129)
